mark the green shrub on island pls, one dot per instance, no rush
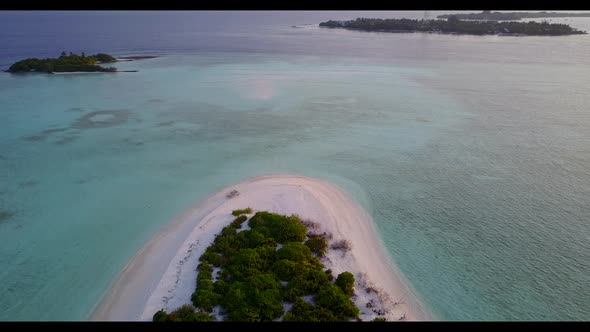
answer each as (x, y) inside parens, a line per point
(306, 312)
(247, 263)
(243, 211)
(380, 319)
(255, 239)
(211, 257)
(237, 223)
(221, 287)
(205, 299)
(310, 281)
(294, 251)
(204, 296)
(65, 63)
(256, 299)
(285, 269)
(329, 274)
(160, 316)
(333, 298)
(185, 313)
(104, 58)
(282, 228)
(255, 278)
(317, 244)
(345, 281)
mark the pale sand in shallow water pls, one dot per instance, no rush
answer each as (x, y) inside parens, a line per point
(163, 275)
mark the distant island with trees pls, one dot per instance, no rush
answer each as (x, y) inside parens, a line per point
(67, 63)
(510, 16)
(248, 273)
(454, 25)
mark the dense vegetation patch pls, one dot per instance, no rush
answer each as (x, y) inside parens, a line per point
(185, 313)
(260, 269)
(317, 244)
(65, 63)
(511, 16)
(345, 281)
(455, 25)
(243, 211)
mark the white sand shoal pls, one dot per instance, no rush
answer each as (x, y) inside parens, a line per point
(163, 273)
(79, 72)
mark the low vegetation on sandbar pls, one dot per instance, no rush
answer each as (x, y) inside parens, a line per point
(236, 213)
(254, 274)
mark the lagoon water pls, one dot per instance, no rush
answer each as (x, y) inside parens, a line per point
(471, 153)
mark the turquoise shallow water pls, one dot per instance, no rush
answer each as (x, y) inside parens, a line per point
(87, 194)
(474, 168)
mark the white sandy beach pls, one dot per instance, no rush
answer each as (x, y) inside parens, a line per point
(163, 275)
(80, 72)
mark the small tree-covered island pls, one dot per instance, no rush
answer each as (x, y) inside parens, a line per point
(511, 16)
(67, 63)
(454, 25)
(267, 269)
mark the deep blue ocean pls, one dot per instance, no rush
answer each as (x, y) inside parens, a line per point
(471, 153)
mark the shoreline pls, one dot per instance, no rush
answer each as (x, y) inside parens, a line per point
(71, 72)
(163, 273)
